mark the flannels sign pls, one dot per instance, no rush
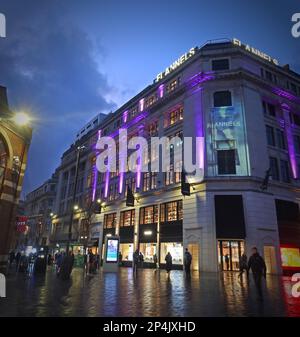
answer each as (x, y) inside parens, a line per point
(255, 51)
(183, 58)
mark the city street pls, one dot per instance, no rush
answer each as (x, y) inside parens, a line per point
(150, 294)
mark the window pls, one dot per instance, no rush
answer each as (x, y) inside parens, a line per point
(280, 139)
(153, 129)
(296, 119)
(153, 180)
(269, 109)
(221, 64)
(127, 218)
(274, 168)
(110, 220)
(269, 76)
(149, 215)
(222, 98)
(173, 116)
(226, 161)
(294, 88)
(172, 85)
(270, 135)
(297, 143)
(171, 211)
(146, 181)
(284, 169)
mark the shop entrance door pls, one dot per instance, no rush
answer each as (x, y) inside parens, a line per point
(229, 253)
(194, 250)
(270, 259)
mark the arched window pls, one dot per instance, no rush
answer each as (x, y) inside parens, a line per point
(3, 161)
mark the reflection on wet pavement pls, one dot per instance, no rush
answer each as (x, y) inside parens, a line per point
(151, 293)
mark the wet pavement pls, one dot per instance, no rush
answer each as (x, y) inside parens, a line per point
(151, 293)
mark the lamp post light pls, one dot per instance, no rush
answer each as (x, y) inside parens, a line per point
(74, 207)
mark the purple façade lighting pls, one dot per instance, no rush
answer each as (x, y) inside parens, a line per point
(161, 91)
(95, 175)
(290, 139)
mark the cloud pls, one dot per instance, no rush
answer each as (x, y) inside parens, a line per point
(48, 64)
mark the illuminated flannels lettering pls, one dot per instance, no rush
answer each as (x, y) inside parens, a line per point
(255, 51)
(183, 58)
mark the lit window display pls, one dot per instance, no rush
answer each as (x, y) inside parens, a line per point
(175, 249)
(290, 257)
(171, 211)
(127, 218)
(148, 250)
(126, 250)
(110, 220)
(149, 215)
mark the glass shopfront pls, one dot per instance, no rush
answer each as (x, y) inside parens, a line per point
(229, 253)
(148, 250)
(175, 249)
(126, 250)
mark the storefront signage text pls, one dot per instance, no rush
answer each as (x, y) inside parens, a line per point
(176, 64)
(255, 51)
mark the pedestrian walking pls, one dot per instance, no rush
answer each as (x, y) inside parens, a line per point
(12, 257)
(135, 261)
(243, 265)
(155, 260)
(141, 259)
(169, 263)
(58, 262)
(17, 258)
(227, 261)
(187, 262)
(120, 259)
(258, 267)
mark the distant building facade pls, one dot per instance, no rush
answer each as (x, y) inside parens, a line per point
(38, 209)
(14, 144)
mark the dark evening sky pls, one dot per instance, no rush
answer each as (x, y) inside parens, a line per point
(66, 60)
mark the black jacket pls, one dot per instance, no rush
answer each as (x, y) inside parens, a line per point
(257, 264)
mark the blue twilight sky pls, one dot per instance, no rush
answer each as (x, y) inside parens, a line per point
(66, 60)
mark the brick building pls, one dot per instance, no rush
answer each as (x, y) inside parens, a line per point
(14, 143)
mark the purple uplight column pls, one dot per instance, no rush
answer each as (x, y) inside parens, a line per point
(122, 157)
(95, 174)
(161, 91)
(142, 104)
(199, 118)
(290, 140)
(139, 163)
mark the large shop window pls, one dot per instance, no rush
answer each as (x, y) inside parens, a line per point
(126, 250)
(110, 220)
(148, 250)
(149, 215)
(222, 98)
(175, 249)
(229, 214)
(226, 161)
(171, 211)
(127, 218)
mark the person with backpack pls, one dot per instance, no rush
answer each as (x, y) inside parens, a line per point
(187, 262)
(258, 267)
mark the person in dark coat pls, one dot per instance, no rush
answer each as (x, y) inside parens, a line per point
(12, 257)
(258, 267)
(18, 257)
(227, 261)
(169, 263)
(135, 261)
(187, 262)
(243, 265)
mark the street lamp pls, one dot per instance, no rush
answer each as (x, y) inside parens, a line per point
(79, 149)
(21, 119)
